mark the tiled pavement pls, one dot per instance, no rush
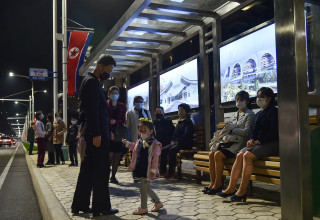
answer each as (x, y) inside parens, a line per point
(182, 199)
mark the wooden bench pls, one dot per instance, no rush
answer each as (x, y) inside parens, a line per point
(199, 144)
(265, 170)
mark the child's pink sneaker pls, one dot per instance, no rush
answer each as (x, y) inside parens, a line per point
(140, 211)
(156, 207)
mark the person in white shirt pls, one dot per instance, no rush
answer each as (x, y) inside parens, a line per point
(41, 141)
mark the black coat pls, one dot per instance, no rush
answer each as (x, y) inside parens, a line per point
(164, 129)
(94, 114)
(72, 133)
(30, 137)
(265, 128)
(184, 133)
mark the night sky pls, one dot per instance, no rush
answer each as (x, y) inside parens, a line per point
(26, 38)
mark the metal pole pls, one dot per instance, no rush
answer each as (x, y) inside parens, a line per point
(64, 58)
(30, 110)
(216, 39)
(55, 59)
(32, 116)
(294, 137)
(204, 88)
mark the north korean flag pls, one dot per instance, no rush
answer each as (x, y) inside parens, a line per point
(78, 43)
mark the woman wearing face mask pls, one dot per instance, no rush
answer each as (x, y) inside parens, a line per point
(132, 117)
(41, 141)
(243, 120)
(182, 140)
(117, 114)
(264, 141)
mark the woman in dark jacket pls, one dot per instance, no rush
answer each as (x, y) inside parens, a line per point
(263, 142)
(182, 140)
(117, 113)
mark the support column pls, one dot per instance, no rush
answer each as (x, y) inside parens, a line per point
(64, 61)
(216, 39)
(55, 58)
(153, 86)
(296, 189)
(204, 86)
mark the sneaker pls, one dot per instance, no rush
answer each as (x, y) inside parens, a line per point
(140, 211)
(71, 165)
(114, 180)
(156, 207)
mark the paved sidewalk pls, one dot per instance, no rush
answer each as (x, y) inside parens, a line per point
(182, 199)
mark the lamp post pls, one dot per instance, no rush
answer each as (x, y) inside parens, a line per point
(38, 91)
(11, 74)
(29, 118)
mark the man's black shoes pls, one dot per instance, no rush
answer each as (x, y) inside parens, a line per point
(109, 212)
(76, 211)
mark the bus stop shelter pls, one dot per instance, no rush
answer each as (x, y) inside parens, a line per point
(150, 28)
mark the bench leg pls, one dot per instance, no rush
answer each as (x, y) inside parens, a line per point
(179, 165)
(250, 189)
(199, 177)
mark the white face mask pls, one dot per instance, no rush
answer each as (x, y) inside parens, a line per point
(58, 118)
(262, 102)
(144, 136)
(74, 122)
(241, 104)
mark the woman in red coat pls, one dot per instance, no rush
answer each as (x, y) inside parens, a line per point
(117, 113)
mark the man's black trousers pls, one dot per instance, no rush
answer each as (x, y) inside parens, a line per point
(94, 175)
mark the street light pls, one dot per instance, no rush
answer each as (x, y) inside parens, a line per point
(28, 119)
(11, 74)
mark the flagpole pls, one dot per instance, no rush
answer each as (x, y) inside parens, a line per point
(55, 59)
(64, 59)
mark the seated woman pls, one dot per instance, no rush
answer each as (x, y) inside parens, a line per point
(243, 120)
(264, 142)
(182, 140)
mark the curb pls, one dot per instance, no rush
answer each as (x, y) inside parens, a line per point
(50, 206)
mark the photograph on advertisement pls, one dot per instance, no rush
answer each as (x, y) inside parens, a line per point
(180, 85)
(249, 63)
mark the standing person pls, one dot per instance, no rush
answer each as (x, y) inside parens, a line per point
(144, 164)
(134, 115)
(41, 141)
(243, 121)
(182, 140)
(71, 140)
(31, 138)
(49, 140)
(117, 113)
(59, 127)
(95, 168)
(164, 128)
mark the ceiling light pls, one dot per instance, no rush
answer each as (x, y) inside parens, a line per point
(251, 5)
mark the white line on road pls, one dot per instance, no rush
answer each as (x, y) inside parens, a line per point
(6, 169)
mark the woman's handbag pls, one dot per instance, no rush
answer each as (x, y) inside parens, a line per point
(120, 132)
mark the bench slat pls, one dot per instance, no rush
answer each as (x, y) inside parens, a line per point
(201, 163)
(205, 169)
(201, 157)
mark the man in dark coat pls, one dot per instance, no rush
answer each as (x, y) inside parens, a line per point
(30, 137)
(94, 120)
(164, 127)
